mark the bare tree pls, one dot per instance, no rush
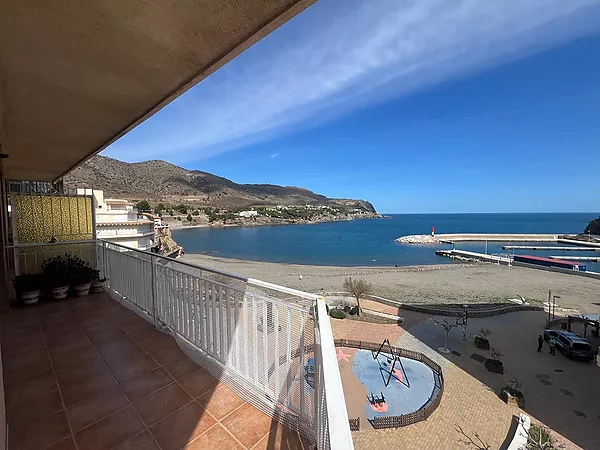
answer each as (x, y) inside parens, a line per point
(446, 327)
(476, 442)
(357, 288)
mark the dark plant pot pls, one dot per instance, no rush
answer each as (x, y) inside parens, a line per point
(494, 365)
(81, 290)
(482, 343)
(512, 400)
(61, 292)
(29, 298)
(97, 287)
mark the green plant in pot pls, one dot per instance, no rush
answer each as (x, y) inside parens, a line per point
(82, 276)
(481, 339)
(98, 284)
(511, 392)
(494, 364)
(28, 287)
(56, 276)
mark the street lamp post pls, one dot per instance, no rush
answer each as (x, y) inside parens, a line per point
(554, 297)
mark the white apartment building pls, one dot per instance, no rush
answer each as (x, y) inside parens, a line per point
(117, 221)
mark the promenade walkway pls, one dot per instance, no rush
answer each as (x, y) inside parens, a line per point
(470, 399)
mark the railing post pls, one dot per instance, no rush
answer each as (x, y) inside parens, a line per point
(336, 420)
(105, 261)
(153, 271)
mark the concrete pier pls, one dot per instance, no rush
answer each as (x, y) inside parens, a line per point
(464, 254)
(577, 258)
(537, 247)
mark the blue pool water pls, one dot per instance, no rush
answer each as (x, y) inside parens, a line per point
(372, 241)
(399, 397)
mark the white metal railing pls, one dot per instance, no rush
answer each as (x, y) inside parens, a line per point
(271, 344)
(28, 257)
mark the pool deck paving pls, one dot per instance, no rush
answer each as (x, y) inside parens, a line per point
(470, 398)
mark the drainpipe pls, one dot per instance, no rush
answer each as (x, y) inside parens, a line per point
(4, 291)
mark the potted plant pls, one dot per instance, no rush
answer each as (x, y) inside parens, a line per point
(97, 282)
(28, 287)
(337, 313)
(82, 276)
(56, 275)
(494, 364)
(481, 339)
(511, 393)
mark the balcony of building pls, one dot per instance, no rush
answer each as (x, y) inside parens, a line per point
(172, 356)
(89, 373)
(104, 373)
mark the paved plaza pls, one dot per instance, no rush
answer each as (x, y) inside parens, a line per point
(562, 394)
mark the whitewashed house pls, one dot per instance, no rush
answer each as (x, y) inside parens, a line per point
(117, 221)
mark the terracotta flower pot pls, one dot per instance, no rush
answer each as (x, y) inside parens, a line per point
(29, 298)
(58, 293)
(97, 286)
(81, 290)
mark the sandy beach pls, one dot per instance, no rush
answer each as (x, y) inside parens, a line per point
(446, 283)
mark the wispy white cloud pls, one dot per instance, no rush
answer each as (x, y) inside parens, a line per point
(342, 55)
(274, 155)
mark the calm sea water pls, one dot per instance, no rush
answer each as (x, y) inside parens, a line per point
(371, 241)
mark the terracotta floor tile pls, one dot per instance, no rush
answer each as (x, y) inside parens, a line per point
(220, 401)
(198, 383)
(25, 361)
(140, 386)
(39, 434)
(65, 444)
(215, 438)
(248, 424)
(281, 438)
(17, 351)
(39, 408)
(23, 344)
(118, 348)
(76, 340)
(178, 429)
(142, 441)
(78, 385)
(96, 407)
(28, 373)
(104, 333)
(136, 367)
(28, 390)
(123, 358)
(181, 367)
(141, 333)
(162, 403)
(110, 431)
(77, 358)
(164, 350)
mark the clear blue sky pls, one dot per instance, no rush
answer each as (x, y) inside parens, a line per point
(428, 106)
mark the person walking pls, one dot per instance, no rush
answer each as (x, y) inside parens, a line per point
(552, 343)
(540, 343)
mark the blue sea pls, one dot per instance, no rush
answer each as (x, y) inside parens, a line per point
(371, 242)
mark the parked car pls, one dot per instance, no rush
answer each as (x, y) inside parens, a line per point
(550, 333)
(574, 346)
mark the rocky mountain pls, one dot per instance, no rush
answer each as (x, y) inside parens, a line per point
(159, 181)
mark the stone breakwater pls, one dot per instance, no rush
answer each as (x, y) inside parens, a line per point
(418, 239)
(475, 237)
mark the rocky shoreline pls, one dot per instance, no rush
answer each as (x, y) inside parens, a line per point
(264, 221)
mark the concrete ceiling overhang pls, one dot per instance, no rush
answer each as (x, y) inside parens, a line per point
(77, 75)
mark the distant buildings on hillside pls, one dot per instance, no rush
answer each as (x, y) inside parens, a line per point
(117, 221)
